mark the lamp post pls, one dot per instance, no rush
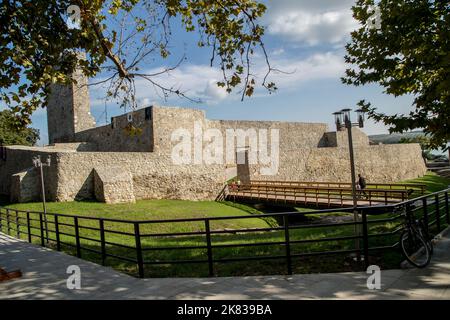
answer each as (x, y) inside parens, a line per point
(38, 164)
(343, 121)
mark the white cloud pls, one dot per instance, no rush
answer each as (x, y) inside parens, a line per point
(329, 65)
(214, 92)
(311, 22)
(200, 81)
(277, 52)
(197, 81)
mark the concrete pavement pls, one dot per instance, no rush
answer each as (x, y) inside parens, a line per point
(44, 277)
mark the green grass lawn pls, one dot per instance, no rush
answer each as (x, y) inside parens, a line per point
(177, 209)
(155, 210)
(433, 182)
(168, 209)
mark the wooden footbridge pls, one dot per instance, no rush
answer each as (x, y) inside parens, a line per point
(321, 194)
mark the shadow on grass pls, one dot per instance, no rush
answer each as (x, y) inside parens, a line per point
(272, 222)
(4, 201)
(271, 244)
(433, 182)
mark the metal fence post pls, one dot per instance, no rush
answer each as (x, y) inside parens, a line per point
(438, 213)
(17, 225)
(365, 239)
(77, 236)
(7, 221)
(140, 260)
(41, 227)
(425, 214)
(102, 241)
(58, 241)
(287, 244)
(28, 227)
(209, 248)
(447, 213)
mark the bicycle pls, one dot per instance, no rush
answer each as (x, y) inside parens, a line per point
(416, 246)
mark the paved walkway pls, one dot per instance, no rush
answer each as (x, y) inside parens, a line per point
(45, 278)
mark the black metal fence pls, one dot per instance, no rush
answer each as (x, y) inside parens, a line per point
(137, 242)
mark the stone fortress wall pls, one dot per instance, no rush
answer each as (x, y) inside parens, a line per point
(308, 152)
(68, 109)
(116, 138)
(72, 176)
(113, 164)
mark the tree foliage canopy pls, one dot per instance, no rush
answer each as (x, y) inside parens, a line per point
(121, 38)
(10, 134)
(408, 55)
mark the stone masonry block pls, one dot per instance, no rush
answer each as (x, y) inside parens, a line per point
(113, 184)
(25, 186)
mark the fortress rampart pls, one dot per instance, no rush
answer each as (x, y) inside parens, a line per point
(307, 152)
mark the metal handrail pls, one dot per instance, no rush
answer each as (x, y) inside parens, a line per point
(310, 194)
(12, 221)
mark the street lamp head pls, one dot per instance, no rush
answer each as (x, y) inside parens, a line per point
(37, 161)
(361, 114)
(347, 121)
(338, 120)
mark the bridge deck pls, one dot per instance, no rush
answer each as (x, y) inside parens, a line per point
(320, 194)
(302, 200)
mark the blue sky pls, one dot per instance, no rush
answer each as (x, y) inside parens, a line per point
(303, 37)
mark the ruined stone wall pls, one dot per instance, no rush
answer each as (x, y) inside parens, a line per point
(71, 175)
(305, 154)
(115, 137)
(25, 186)
(359, 138)
(73, 146)
(167, 120)
(383, 164)
(292, 135)
(157, 125)
(157, 130)
(154, 176)
(68, 110)
(60, 114)
(20, 159)
(113, 185)
(340, 139)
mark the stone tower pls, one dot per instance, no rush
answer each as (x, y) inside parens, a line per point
(68, 110)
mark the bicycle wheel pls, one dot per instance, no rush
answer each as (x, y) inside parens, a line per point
(415, 249)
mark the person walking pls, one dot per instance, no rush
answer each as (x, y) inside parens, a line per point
(362, 184)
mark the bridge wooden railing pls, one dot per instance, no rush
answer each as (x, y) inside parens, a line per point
(341, 196)
(417, 188)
